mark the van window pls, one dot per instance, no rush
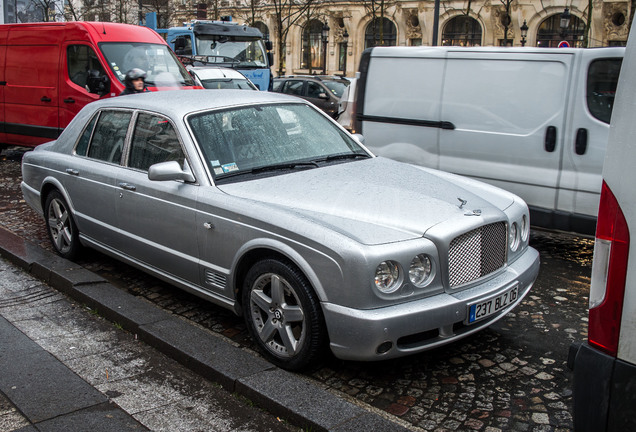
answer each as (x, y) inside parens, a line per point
(472, 102)
(602, 77)
(158, 61)
(154, 141)
(109, 136)
(81, 59)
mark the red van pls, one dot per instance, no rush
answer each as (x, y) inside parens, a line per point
(49, 71)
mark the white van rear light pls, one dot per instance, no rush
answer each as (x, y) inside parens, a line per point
(608, 274)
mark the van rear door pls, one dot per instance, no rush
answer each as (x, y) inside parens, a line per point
(30, 95)
(593, 92)
(3, 50)
(508, 109)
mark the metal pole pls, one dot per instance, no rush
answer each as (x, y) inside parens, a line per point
(435, 23)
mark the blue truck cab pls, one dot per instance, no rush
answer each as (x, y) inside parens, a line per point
(221, 43)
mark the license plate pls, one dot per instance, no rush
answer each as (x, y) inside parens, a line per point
(485, 308)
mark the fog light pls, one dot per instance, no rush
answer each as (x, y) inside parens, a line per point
(384, 347)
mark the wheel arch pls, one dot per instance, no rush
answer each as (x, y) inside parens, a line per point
(52, 184)
(258, 250)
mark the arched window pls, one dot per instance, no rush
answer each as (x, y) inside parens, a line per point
(263, 28)
(380, 32)
(550, 33)
(312, 45)
(462, 31)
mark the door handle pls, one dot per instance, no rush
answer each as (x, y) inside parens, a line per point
(45, 99)
(72, 171)
(127, 186)
(550, 139)
(580, 145)
(69, 100)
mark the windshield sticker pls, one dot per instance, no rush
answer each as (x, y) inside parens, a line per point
(229, 167)
(215, 163)
(218, 171)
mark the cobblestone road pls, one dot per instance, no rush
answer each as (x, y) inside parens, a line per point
(510, 377)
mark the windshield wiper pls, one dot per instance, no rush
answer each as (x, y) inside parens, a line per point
(345, 156)
(283, 166)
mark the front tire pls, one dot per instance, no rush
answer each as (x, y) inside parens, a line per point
(60, 226)
(283, 315)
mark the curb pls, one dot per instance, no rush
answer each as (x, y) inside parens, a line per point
(281, 393)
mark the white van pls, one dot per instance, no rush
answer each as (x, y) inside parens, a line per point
(533, 121)
(605, 366)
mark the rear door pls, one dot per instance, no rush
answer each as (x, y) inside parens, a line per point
(31, 75)
(509, 118)
(593, 93)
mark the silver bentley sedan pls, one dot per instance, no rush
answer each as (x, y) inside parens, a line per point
(260, 203)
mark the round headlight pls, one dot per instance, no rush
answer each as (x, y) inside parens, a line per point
(525, 228)
(513, 239)
(387, 276)
(420, 270)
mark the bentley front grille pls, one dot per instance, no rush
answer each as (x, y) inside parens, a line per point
(477, 253)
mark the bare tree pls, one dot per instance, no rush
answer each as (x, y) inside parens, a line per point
(377, 10)
(286, 14)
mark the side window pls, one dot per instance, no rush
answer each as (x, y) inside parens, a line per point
(82, 144)
(314, 90)
(109, 136)
(602, 77)
(154, 141)
(293, 88)
(80, 59)
(183, 45)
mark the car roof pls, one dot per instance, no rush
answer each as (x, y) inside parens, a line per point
(313, 77)
(178, 103)
(205, 72)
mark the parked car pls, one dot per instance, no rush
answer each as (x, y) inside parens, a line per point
(262, 204)
(210, 77)
(605, 366)
(323, 91)
(538, 131)
(346, 106)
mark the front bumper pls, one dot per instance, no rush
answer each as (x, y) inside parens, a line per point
(422, 324)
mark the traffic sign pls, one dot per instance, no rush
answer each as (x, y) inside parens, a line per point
(564, 44)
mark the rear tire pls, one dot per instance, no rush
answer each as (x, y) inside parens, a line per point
(283, 315)
(60, 226)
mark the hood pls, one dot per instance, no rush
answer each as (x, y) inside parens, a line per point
(373, 201)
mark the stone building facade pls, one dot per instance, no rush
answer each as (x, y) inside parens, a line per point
(406, 23)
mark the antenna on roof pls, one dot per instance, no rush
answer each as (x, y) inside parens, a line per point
(103, 28)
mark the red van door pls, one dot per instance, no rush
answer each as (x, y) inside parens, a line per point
(77, 59)
(3, 50)
(30, 93)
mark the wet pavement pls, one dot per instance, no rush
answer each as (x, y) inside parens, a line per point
(510, 377)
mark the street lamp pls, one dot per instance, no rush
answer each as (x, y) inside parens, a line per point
(524, 33)
(345, 41)
(565, 22)
(325, 39)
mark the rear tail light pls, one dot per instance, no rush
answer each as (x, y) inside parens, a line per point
(609, 271)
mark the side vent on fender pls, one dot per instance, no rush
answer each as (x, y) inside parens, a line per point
(215, 279)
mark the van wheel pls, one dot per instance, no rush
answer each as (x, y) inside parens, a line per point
(283, 315)
(60, 226)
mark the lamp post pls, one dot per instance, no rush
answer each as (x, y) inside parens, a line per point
(325, 39)
(565, 22)
(524, 33)
(345, 41)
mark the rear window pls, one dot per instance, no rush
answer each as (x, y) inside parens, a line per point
(602, 77)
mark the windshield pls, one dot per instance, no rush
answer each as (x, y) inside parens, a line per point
(228, 83)
(246, 140)
(246, 53)
(337, 88)
(161, 66)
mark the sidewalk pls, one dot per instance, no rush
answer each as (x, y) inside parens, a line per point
(50, 396)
